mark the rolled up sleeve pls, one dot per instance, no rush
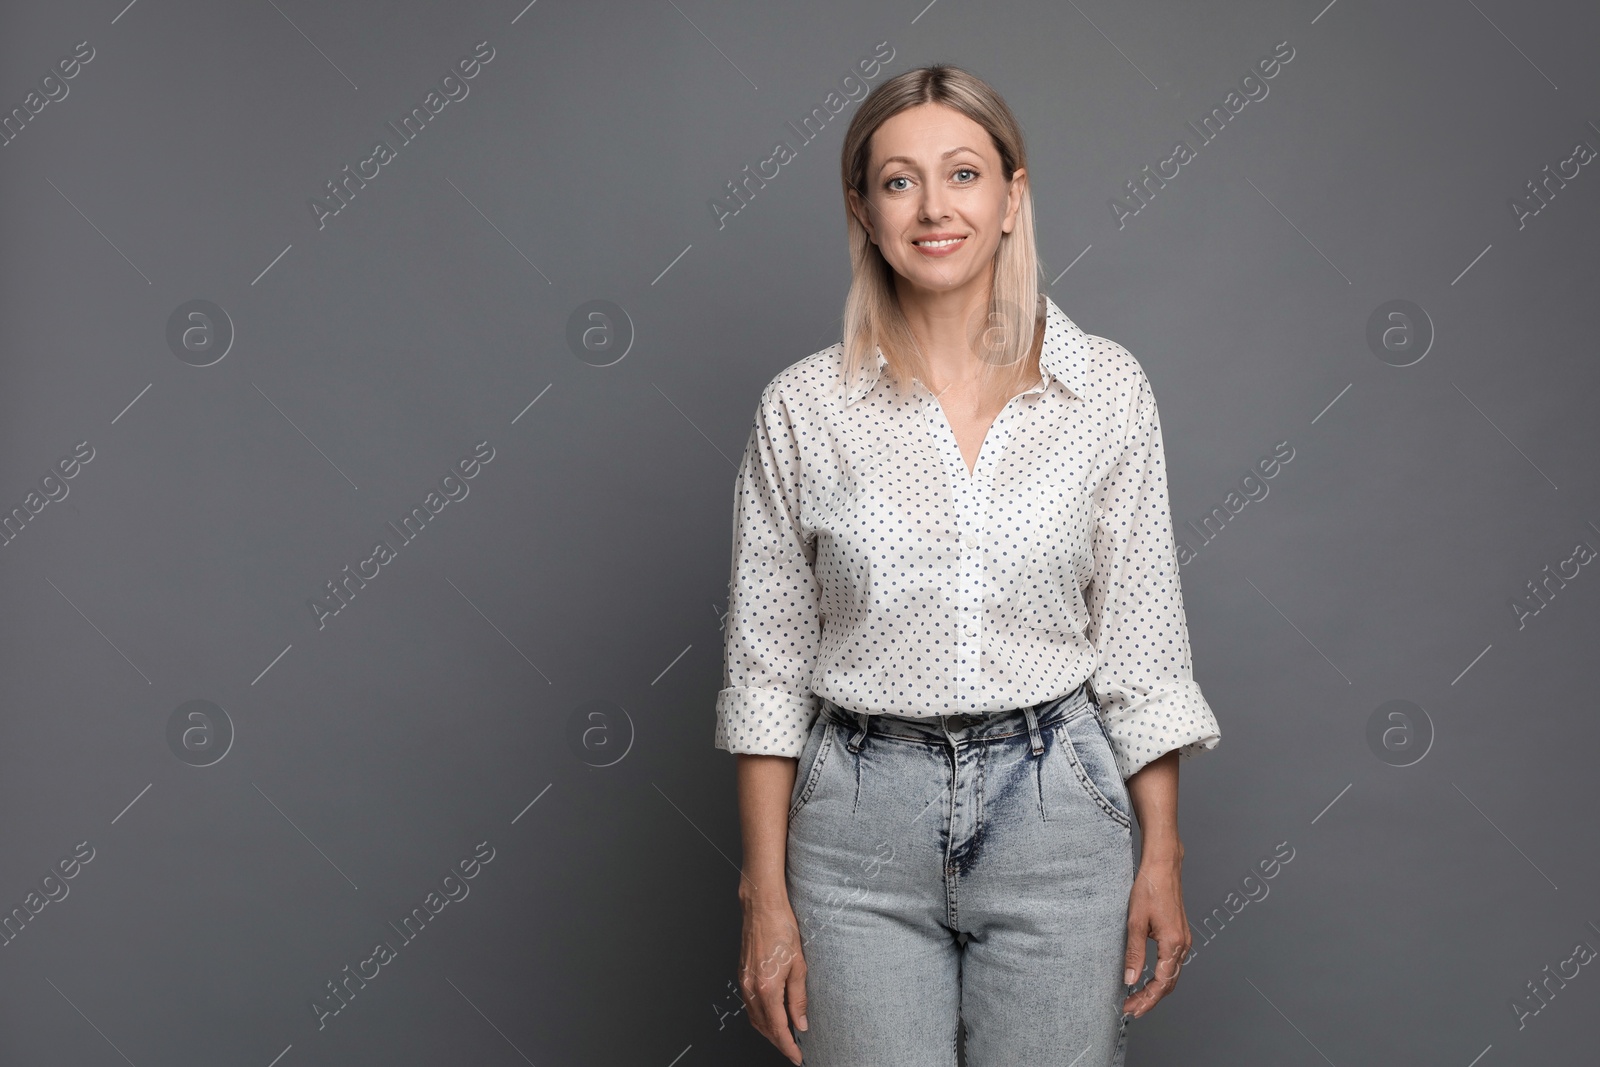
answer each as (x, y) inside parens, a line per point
(773, 629)
(1143, 678)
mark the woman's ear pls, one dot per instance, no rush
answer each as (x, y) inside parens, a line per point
(1019, 182)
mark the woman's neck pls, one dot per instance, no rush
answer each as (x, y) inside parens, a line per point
(943, 325)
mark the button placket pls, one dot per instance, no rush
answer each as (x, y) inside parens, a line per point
(981, 487)
(968, 592)
(970, 495)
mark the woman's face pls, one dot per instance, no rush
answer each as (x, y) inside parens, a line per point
(936, 201)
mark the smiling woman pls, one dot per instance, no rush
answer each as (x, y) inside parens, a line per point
(955, 636)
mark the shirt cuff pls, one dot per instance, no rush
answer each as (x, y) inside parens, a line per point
(1145, 727)
(765, 722)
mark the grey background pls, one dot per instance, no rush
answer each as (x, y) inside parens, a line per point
(590, 560)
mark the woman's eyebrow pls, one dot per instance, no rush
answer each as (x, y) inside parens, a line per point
(907, 159)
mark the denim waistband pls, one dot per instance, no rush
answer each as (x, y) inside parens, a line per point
(961, 728)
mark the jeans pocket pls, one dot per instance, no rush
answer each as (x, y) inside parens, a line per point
(1094, 766)
(813, 757)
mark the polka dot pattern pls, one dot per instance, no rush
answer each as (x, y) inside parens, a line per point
(872, 568)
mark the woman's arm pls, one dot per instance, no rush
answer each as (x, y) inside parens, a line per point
(766, 706)
(1155, 907)
(1144, 683)
(771, 963)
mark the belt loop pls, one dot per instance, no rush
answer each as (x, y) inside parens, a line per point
(1033, 729)
(854, 744)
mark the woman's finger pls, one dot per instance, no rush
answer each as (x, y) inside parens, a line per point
(797, 994)
(1171, 948)
(772, 995)
(754, 1009)
(1133, 958)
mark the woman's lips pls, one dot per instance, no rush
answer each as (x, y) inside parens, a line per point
(941, 247)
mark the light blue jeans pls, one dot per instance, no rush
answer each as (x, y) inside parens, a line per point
(971, 866)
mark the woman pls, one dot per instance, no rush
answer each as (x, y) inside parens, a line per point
(957, 664)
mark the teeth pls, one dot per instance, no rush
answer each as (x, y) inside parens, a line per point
(939, 244)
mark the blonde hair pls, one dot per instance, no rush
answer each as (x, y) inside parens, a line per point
(872, 315)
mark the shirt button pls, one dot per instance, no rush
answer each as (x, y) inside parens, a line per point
(970, 540)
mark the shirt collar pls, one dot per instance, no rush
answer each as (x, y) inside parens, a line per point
(1064, 357)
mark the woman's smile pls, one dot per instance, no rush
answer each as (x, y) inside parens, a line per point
(939, 244)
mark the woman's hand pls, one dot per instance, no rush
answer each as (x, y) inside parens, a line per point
(772, 969)
(1155, 906)
(1155, 910)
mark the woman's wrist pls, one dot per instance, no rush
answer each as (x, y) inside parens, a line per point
(763, 889)
(1162, 849)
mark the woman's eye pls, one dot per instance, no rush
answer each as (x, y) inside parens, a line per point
(967, 170)
(891, 186)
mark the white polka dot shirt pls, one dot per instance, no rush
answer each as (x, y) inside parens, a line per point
(871, 568)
